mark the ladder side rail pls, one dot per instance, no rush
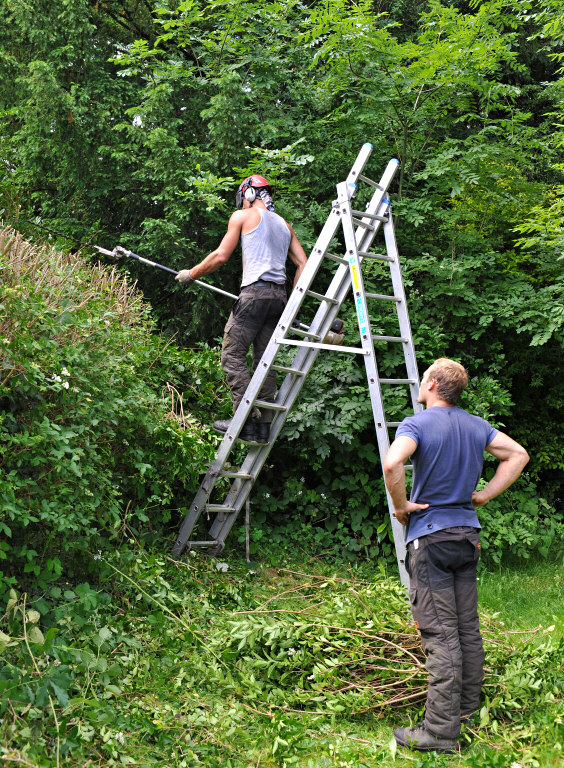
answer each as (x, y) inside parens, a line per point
(358, 166)
(402, 313)
(255, 385)
(398, 530)
(371, 367)
(412, 372)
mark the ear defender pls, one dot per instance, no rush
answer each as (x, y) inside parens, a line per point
(251, 188)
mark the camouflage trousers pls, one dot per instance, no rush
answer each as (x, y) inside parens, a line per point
(444, 603)
(252, 322)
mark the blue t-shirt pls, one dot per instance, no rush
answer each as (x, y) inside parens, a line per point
(447, 465)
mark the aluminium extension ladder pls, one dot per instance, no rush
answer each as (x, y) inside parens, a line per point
(359, 229)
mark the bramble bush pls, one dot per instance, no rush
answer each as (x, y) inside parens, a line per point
(90, 439)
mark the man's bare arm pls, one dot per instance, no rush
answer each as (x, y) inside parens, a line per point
(394, 477)
(221, 254)
(297, 255)
(512, 460)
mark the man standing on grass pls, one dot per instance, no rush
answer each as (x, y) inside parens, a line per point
(266, 241)
(443, 545)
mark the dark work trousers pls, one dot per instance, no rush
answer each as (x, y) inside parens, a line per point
(444, 603)
(252, 322)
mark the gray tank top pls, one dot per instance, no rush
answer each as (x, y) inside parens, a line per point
(265, 250)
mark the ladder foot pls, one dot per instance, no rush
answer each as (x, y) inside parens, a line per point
(178, 549)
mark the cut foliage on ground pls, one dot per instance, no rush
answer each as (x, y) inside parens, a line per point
(213, 663)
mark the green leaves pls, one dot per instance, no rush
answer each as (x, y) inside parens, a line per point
(86, 433)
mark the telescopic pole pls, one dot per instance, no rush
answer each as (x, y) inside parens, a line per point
(120, 252)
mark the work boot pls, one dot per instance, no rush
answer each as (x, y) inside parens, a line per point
(423, 740)
(262, 432)
(247, 433)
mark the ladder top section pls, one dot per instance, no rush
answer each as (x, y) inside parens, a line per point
(367, 147)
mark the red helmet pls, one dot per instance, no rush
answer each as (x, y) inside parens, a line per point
(249, 187)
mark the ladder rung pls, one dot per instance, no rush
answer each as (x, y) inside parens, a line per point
(363, 224)
(338, 259)
(220, 508)
(312, 335)
(377, 256)
(232, 473)
(397, 381)
(366, 215)
(389, 338)
(203, 543)
(321, 297)
(408, 466)
(329, 347)
(371, 183)
(382, 297)
(272, 406)
(392, 424)
(284, 369)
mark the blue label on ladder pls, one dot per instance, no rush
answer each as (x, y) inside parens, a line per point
(360, 313)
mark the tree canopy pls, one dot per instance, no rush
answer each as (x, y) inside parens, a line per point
(132, 123)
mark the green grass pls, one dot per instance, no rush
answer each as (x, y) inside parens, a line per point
(526, 595)
(148, 670)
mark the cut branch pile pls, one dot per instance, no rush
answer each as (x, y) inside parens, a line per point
(339, 646)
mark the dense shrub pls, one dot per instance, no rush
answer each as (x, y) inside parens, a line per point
(88, 442)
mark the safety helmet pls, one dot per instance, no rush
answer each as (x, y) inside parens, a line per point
(249, 189)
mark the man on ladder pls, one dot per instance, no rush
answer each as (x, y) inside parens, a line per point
(266, 241)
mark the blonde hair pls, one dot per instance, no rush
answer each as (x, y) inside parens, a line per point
(451, 378)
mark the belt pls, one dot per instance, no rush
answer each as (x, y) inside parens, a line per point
(265, 282)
